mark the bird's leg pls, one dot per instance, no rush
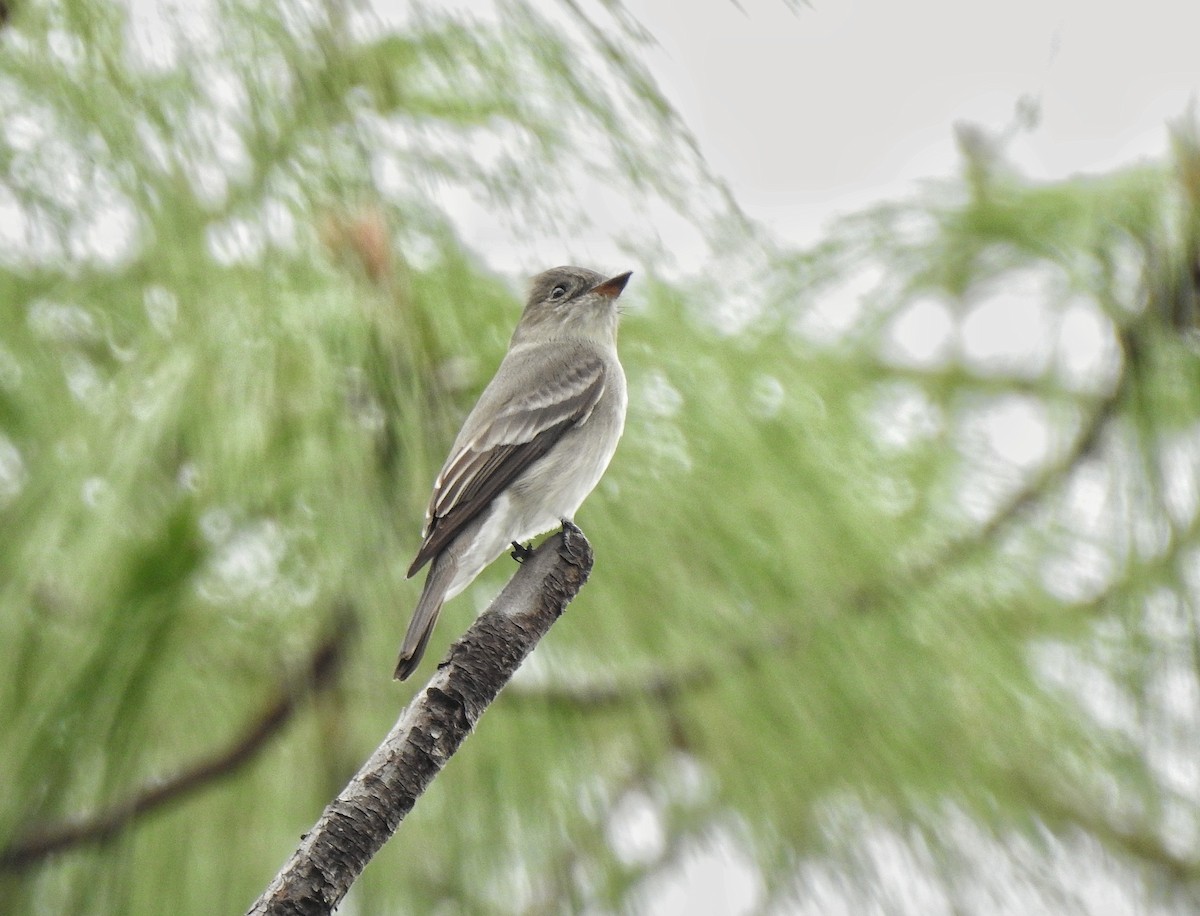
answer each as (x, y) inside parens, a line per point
(521, 552)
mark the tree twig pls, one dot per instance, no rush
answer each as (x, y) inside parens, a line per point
(363, 817)
(1134, 835)
(662, 687)
(101, 826)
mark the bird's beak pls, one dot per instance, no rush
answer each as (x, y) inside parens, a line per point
(611, 288)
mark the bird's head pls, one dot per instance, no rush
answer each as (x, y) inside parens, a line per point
(571, 302)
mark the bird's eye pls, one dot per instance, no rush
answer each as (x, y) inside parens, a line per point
(558, 292)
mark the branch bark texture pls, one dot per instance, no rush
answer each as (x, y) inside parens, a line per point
(363, 817)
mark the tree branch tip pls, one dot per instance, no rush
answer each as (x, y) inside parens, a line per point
(576, 549)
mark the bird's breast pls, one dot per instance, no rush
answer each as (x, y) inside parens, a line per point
(556, 485)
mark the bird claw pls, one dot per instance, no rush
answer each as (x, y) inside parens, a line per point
(521, 552)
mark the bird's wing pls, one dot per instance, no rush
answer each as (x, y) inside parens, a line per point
(556, 389)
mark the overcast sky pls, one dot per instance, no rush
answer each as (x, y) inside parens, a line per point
(826, 107)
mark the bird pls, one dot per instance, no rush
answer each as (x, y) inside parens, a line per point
(532, 448)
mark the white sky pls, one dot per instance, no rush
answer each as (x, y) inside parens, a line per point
(829, 107)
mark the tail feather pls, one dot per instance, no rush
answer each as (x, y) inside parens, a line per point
(426, 614)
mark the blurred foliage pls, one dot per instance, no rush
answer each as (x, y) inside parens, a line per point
(872, 585)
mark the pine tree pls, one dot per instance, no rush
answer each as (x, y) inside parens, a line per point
(864, 597)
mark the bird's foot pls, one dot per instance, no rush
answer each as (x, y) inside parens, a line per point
(521, 552)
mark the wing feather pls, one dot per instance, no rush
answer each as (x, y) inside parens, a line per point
(504, 436)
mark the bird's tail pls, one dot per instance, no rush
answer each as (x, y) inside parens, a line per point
(426, 614)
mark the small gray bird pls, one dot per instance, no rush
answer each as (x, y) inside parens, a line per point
(533, 447)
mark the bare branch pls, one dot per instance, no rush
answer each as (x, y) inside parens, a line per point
(103, 825)
(363, 817)
(1035, 489)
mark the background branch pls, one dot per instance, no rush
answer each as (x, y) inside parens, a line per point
(318, 672)
(363, 817)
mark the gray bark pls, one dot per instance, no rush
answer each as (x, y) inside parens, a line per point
(360, 820)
